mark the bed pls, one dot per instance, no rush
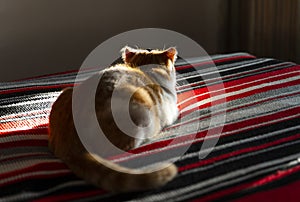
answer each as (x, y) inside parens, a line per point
(256, 156)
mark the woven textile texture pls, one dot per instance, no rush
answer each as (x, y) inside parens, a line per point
(257, 155)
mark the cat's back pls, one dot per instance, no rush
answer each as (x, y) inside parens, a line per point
(120, 76)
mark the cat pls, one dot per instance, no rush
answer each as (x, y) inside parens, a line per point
(150, 77)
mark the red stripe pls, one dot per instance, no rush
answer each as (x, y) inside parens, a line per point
(233, 97)
(208, 81)
(253, 184)
(71, 196)
(232, 86)
(24, 143)
(214, 61)
(165, 143)
(255, 122)
(79, 194)
(240, 83)
(234, 108)
(237, 86)
(22, 124)
(278, 175)
(267, 77)
(239, 152)
(28, 114)
(290, 192)
(160, 143)
(47, 166)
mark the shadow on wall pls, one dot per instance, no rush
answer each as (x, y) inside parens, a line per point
(42, 37)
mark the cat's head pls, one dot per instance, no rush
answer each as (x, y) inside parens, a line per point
(138, 57)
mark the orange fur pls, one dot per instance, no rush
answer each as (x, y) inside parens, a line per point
(65, 143)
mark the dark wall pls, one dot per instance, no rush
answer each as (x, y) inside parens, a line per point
(42, 36)
(268, 28)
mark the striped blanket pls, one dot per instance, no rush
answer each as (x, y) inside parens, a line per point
(257, 155)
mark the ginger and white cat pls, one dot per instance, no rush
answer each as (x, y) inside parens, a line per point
(153, 101)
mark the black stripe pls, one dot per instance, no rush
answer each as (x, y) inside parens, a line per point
(205, 66)
(266, 187)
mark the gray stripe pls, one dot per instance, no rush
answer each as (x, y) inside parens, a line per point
(188, 195)
(194, 60)
(233, 77)
(233, 66)
(241, 156)
(233, 181)
(193, 140)
(264, 138)
(221, 68)
(20, 150)
(262, 109)
(198, 188)
(25, 118)
(253, 99)
(24, 98)
(42, 158)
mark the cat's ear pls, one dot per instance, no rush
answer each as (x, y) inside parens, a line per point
(127, 53)
(171, 53)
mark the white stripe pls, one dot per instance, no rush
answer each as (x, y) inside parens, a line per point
(235, 158)
(240, 85)
(241, 175)
(37, 96)
(260, 110)
(31, 123)
(198, 104)
(32, 83)
(25, 115)
(198, 72)
(202, 72)
(31, 102)
(216, 111)
(189, 142)
(228, 145)
(236, 76)
(198, 187)
(194, 60)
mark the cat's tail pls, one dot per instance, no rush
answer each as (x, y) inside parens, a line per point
(112, 177)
